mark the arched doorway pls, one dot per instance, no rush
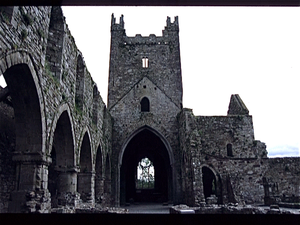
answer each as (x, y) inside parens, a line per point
(146, 144)
(211, 185)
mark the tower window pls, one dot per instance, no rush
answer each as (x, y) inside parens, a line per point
(229, 150)
(145, 62)
(145, 105)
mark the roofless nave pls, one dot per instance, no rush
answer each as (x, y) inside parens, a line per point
(62, 147)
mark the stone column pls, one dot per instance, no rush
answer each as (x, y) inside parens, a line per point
(86, 184)
(198, 186)
(99, 188)
(31, 193)
(67, 194)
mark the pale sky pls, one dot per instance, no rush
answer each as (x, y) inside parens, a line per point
(250, 51)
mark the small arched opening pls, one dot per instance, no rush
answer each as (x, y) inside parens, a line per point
(211, 186)
(229, 150)
(145, 105)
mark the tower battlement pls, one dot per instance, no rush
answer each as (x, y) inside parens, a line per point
(132, 58)
(117, 26)
(172, 26)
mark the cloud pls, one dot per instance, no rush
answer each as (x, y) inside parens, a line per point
(284, 151)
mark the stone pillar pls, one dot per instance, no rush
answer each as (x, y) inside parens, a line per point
(67, 194)
(99, 188)
(86, 184)
(106, 198)
(197, 185)
(31, 193)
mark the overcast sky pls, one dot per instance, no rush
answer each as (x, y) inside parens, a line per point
(250, 51)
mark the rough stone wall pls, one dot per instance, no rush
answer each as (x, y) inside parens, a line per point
(27, 37)
(204, 142)
(7, 146)
(163, 54)
(50, 92)
(247, 176)
(282, 181)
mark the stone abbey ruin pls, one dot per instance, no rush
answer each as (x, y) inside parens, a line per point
(62, 148)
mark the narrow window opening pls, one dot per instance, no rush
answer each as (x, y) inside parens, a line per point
(229, 150)
(145, 174)
(145, 105)
(145, 62)
(2, 81)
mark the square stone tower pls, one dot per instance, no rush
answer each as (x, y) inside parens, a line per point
(144, 98)
(135, 58)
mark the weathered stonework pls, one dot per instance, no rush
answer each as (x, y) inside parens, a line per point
(54, 134)
(62, 150)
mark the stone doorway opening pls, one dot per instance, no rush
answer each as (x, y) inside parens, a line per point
(211, 186)
(145, 144)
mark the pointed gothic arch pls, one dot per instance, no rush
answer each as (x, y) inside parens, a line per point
(62, 171)
(146, 142)
(99, 175)
(85, 176)
(212, 183)
(27, 99)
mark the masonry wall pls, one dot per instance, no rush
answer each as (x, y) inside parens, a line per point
(130, 81)
(204, 143)
(7, 146)
(27, 35)
(282, 181)
(126, 68)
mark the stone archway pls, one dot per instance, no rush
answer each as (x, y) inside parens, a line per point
(146, 143)
(62, 176)
(29, 122)
(99, 181)
(212, 186)
(85, 181)
(27, 108)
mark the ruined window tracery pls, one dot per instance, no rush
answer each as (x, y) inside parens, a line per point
(145, 174)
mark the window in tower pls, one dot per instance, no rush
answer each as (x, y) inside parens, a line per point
(145, 62)
(229, 150)
(145, 105)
